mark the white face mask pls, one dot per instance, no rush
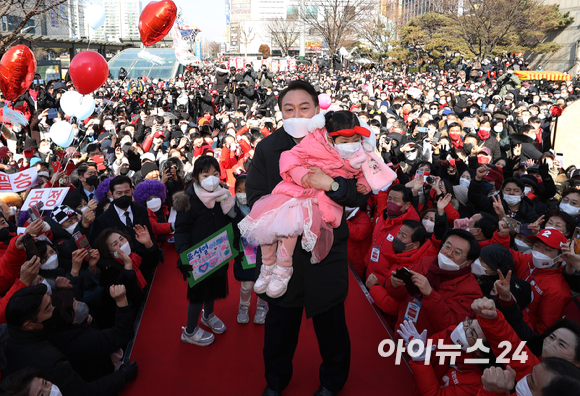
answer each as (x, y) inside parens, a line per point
(569, 209)
(55, 391)
(525, 119)
(498, 128)
(541, 260)
(411, 155)
(71, 228)
(154, 204)
(464, 182)
(210, 183)
(477, 269)
(445, 263)
(347, 150)
(523, 247)
(458, 337)
(183, 127)
(429, 225)
(48, 287)
(433, 112)
(242, 198)
(296, 127)
(512, 200)
(50, 263)
(125, 248)
(522, 387)
(527, 190)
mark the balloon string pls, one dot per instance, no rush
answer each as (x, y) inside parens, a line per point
(89, 43)
(122, 83)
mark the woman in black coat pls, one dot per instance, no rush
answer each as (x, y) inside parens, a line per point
(203, 209)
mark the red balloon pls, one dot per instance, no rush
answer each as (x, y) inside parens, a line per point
(156, 21)
(88, 71)
(17, 69)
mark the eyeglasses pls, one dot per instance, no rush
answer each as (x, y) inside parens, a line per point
(457, 253)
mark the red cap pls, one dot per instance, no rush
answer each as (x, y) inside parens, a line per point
(158, 134)
(4, 152)
(551, 237)
(350, 132)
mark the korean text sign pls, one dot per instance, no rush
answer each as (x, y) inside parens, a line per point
(209, 255)
(50, 197)
(18, 181)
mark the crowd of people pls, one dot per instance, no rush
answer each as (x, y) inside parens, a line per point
(440, 190)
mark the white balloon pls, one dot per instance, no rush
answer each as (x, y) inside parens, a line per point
(69, 101)
(62, 134)
(85, 107)
(95, 15)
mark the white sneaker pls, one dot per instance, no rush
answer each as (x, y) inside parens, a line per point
(200, 337)
(243, 316)
(261, 312)
(264, 278)
(213, 322)
(279, 282)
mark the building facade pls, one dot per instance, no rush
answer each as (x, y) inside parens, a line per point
(121, 21)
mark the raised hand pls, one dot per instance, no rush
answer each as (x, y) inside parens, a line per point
(536, 225)
(498, 206)
(29, 270)
(142, 235)
(495, 379)
(481, 172)
(502, 286)
(442, 203)
(485, 308)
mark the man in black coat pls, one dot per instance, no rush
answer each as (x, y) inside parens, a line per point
(29, 316)
(320, 289)
(529, 146)
(124, 214)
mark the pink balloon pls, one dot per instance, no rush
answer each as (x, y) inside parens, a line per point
(324, 101)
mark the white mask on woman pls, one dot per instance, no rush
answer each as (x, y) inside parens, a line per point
(429, 225)
(50, 263)
(154, 204)
(463, 181)
(125, 248)
(523, 388)
(477, 269)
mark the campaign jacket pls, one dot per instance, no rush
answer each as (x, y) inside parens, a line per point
(359, 228)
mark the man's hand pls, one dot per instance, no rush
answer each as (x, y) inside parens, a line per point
(495, 379)
(165, 175)
(536, 225)
(142, 235)
(29, 270)
(503, 227)
(371, 281)
(306, 181)
(422, 283)
(320, 180)
(485, 308)
(498, 206)
(119, 294)
(396, 282)
(361, 188)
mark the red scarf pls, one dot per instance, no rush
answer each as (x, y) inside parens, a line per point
(136, 259)
(436, 275)
(539, 137)
(483, 134)
(457, 144)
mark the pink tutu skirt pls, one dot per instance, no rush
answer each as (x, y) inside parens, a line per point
(278, 216)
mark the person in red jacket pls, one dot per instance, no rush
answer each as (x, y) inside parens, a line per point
(550, 291)
(398, 209)
(446, 286)
(359, 239)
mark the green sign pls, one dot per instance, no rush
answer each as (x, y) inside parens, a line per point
(209, 255)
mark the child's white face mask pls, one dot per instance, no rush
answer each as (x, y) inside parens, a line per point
(347, 150)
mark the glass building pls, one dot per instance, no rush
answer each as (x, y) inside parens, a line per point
(137, 67)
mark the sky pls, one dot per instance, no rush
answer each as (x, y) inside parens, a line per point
(207, 15)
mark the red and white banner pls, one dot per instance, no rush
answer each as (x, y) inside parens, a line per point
(284, 65)
(17, 182)
(232, 62)
(50, 197)
(292, 65)
(274, 66)
(240, 63)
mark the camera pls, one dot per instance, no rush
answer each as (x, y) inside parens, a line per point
(429, 180)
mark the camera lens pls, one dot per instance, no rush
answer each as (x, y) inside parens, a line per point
(430, 179)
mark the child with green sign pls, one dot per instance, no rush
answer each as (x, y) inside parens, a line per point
(203, 209)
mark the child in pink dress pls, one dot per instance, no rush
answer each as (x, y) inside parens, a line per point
(295, 208)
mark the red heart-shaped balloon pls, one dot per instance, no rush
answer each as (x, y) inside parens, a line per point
(17, 69)
(88, 71)
(156, 21)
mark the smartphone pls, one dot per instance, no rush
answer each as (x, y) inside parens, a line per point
(33, 211)
(514, 225)
(406, 276)
(81, 241)
(560, 159)
(576, 241)
(29, 246)
(52, 113)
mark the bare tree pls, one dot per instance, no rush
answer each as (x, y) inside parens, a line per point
(337, 21)
(25, 15)
(283, 33)
(247, 35)
(381, 31)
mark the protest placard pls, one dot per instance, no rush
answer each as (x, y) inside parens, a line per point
(50, 197)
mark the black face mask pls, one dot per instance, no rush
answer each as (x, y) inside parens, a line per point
(92, 180)
(467, 148)
(398, 245)
(5, 235)
(123, 202)
(124, 171)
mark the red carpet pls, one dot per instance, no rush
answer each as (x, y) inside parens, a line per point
(233, 364)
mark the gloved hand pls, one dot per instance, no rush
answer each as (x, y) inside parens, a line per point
(130, 370)
(185, 271)
(408, 332)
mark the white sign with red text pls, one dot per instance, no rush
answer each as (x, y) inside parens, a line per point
(17, 182)
(50, 197)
